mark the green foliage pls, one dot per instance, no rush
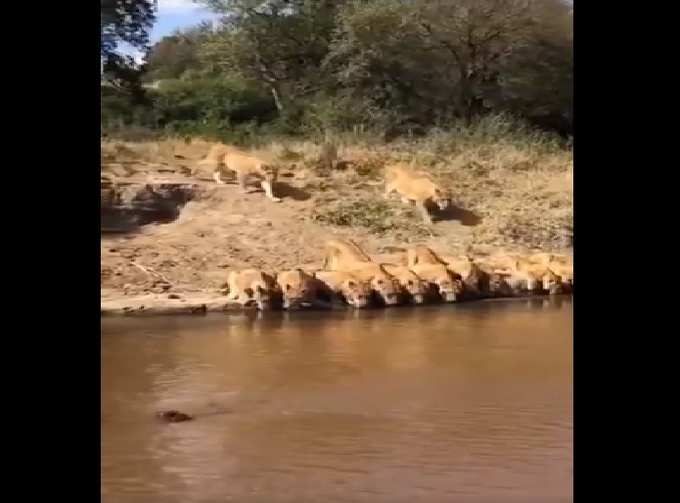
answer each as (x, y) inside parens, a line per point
(214, 100)
(382, 68)
(126, 21)
(176, 55)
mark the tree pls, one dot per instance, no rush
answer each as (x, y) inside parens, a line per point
(279, 43)
(175, 54)
(475, 36)
(377, 55)
(537, 80)
(126, 21)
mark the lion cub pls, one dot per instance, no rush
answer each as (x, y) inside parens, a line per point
(344, 286)
(415, 187)
(252, 287)
(298, 288)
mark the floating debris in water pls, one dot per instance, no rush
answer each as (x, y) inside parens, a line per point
(173, 416)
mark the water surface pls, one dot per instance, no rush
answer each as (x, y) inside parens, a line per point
(464, 403)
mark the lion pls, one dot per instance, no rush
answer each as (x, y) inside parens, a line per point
(548, 281)
(248, 167)
(499, 286)
(344, 286)
(566, 273)
(346, 255)
(416, 187)
(523, 277)
(476, 281)
(414, 286)
(340, 253)
(252, 287)
(298, 288)
(559, 271)
(215, 155)
(384, 285)
(448, 284)
(551, 283)
(421, 254)
(427, 264)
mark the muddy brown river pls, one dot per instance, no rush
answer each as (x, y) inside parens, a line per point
(462, 403)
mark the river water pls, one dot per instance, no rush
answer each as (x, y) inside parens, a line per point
(457, 403)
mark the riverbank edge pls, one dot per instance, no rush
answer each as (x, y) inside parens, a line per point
(206, 302)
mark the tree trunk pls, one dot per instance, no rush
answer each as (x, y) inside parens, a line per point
(277, 97)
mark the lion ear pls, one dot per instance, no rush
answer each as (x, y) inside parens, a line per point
(248, 291)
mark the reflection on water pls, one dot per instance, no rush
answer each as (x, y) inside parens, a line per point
(471, 402)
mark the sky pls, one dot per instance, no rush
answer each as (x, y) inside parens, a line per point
(171, 15)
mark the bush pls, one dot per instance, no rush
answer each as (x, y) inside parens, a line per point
(214, 102)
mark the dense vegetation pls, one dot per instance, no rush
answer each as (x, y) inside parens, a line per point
(309, 67)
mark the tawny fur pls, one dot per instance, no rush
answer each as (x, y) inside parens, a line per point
(420, 254)
(348, 287)
(415, 287)
(449, 287)
(342, 252)
(415, 187)
(383, 284)
(346, 255)
(298, 288)
(248, 168)
(252, 286)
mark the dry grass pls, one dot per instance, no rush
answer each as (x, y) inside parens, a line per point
(518, 188)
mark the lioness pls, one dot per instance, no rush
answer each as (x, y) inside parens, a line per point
(566, 273)
(427, 264)
(415, 187)
(421, 254)
(248, 167)
(476, 281)
(384, 285)
(298, 288)
(252, 287)
(215, 156)
(560, 269)
(345, 286)
(346, 255)
(341, 253)
(521, 275)
(414, 286)
(447, 284)
(549, 281)
(498, 286)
